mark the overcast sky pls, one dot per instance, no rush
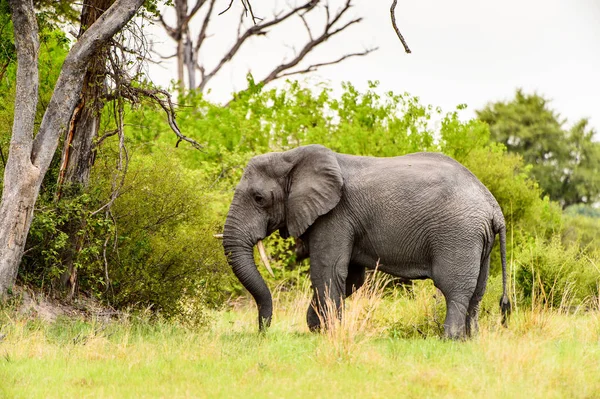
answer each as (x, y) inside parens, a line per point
(464, 51)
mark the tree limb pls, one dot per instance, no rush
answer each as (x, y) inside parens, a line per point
(27, 47)
(70, 80)
(202, 34)
(166, 104)
(393, 16)
(195, 9)
(314, 67)
(314, 42)
(172, 32)
(256, 30)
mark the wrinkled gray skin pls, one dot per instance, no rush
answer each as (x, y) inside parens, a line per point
(420, 216)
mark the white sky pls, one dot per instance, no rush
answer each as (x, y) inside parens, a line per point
(464, 51)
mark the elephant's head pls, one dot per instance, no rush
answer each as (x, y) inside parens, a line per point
(284, 191)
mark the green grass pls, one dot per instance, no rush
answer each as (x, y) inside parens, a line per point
(387, 347)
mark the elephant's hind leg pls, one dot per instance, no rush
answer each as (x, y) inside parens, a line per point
(472, 321)
(458, 284)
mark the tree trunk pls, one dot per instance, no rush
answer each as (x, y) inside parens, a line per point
(29, 158)
(21, 177)
(16, 213)
(181, 8)
(78, 154)
(190, 62)
(78, 151)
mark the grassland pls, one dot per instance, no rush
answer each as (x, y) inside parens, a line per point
(387, 347)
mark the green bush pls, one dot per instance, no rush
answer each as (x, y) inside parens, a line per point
(555, 275)
(49, 252)
(165, 251)
(582, 231)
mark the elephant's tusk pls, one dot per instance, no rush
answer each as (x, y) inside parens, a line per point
(263, 256)
(218, 236)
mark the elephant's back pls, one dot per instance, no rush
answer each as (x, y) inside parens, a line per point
(417, 178)
(415, 202)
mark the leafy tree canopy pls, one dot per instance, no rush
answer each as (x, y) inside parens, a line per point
(565, 162)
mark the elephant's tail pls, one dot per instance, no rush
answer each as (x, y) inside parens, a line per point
(505, 306)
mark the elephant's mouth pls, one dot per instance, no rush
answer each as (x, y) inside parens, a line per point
(284, 233)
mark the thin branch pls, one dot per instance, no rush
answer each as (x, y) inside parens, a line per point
(310, 36)
(393, 16)
(227, 9)
(328, 32)
(165, 57)
(314, 67)
(197, 6)
(174, 33)
(202, 34)
(256, 30)
(167, 105)
(248, 6)
(106, 135)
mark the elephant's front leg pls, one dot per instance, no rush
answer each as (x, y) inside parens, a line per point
(354, 280)
(329, 276)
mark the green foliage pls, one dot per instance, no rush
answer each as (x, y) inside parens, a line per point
(555, 275)
(48, 252)
(164, 251)
(566, 163)
(581, 227)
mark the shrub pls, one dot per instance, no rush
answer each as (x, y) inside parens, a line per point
(164, 250)
(557, 276)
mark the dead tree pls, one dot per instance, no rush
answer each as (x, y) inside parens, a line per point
(189, 47)
(29, 157)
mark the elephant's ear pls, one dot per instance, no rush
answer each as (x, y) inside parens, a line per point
(315, 186)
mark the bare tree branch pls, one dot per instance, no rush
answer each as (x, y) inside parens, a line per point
(106, 135)
(133, 94)
(310, 36)
(314, 67)
(172, 32)
(393, 16)
(329, 31)
(256, 30)
(195, 9)
(227, 9)
(202, 34)
(248, 6)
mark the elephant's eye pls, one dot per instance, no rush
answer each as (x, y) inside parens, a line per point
(259, 199)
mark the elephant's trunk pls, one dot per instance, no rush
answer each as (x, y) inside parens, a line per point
(239, 252)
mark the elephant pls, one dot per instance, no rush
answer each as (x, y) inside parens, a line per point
(417, 216)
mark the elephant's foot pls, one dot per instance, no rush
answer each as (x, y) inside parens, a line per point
(455, 333)
(312, 319)
(454, 325)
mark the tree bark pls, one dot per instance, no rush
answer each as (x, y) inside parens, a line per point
(78, 154)
(29, 157)
(20, 176)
